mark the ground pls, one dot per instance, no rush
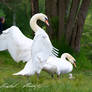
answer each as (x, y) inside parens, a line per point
(82, 81)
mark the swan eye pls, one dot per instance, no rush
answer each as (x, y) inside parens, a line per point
(67, 59)
(46, 21)
(46, 18)
(74, 61)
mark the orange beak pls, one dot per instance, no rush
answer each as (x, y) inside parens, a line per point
(46, 21)
(74, 64)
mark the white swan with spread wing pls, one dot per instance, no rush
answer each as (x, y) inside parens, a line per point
(42, 47)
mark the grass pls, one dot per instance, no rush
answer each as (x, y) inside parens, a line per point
(81, 83)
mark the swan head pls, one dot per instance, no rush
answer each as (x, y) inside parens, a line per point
(43, 18)
(38, 16)
(70, 58)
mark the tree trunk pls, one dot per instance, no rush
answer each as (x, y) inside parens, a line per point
(34, 6)
(51, 12)
(71, 19)
(67, 2)
(79, 25)
(51, 8)
(61, 18)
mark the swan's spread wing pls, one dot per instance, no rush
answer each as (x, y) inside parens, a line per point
(52, 51)
(42, 44)
(41, 50)
(3, 41)
(17, 44)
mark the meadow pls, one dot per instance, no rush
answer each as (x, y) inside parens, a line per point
(82, 81)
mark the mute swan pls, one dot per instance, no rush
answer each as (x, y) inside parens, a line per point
(18, 45)
(59, 65)
(41, 47)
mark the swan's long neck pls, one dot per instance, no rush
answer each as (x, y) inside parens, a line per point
(63, 57)
(33, 24)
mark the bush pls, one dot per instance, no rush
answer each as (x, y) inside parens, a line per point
(2, 13)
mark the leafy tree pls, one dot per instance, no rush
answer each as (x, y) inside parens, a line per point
(71, 15)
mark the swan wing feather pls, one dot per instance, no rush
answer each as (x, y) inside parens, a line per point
(16, 43)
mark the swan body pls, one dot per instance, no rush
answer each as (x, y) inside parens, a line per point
(41, 47)
(59, 66)
(18, 45)
(28, 70)
(53, 65)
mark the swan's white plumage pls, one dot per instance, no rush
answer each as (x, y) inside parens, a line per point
(27, 70)
(59, 65)
(53, 65)
(18, 45)
(41, 52)
(41, 47)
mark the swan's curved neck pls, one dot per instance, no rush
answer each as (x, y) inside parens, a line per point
(33, 24)
(63, 57)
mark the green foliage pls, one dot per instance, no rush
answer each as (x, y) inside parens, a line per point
(42, 6)
(2, 13)
(54, 23)
(86, 41)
